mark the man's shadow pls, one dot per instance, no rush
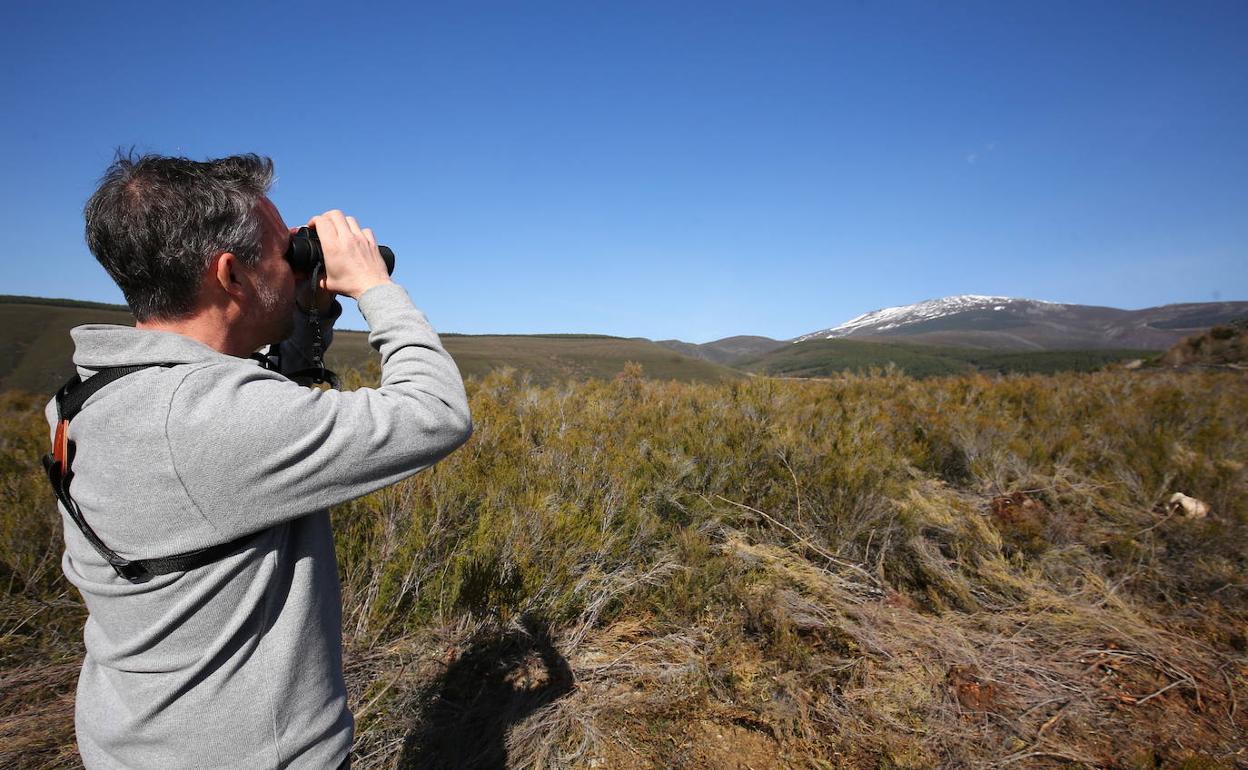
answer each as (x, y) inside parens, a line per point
(498, 681)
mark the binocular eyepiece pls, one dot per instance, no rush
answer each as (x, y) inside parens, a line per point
(304, 252)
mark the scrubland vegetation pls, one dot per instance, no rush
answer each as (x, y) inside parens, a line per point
(1220, 346)
(869, 571)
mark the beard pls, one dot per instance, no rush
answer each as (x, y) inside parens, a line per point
(277, 313)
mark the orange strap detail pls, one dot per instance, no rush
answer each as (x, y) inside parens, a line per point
(60, 445)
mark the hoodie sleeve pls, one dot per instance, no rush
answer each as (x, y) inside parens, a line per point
(253, 449)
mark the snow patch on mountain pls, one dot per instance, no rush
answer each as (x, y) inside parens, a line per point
(893, 317)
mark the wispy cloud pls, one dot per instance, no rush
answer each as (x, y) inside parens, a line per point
(974, 156)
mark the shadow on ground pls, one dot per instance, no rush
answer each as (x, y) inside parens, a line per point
(498, 681)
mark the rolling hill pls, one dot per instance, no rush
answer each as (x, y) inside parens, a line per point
(36, 350)
(547, 358)
(824, 358)
(949, 336)
(725, 351)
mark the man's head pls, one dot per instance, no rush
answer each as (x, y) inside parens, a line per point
(160, 226)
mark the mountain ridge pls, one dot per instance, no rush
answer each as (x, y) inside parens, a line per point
(922, 337)
(1017, 323)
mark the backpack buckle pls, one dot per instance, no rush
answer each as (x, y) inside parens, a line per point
(134, 571)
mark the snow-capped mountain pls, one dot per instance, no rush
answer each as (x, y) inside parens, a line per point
(998, 323)
(878, 321)
(973, 320)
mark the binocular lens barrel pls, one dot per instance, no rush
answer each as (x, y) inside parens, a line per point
(305, 252)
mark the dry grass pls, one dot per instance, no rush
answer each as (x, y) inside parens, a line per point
(865, 572)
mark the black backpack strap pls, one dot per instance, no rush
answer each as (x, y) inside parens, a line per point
(69, 401)
(73, 394)
(141, 571)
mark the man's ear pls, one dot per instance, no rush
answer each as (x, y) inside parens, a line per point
(226, 274)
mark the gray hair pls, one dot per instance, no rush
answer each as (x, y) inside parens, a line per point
(155, 223)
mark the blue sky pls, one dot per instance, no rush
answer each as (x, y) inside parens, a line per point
(668, 169)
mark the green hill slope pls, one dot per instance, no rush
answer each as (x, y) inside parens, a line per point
(547, 358)
(35, 348)
(36, 351)
(822, 358)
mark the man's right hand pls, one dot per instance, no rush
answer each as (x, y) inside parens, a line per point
(352, 263)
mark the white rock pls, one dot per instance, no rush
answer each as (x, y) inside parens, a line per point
(1188, 506)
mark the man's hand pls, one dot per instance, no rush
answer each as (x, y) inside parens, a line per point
(352, 263)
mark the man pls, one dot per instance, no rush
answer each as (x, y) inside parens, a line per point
(235, 663)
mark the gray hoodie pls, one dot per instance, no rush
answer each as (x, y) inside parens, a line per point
(237, 664)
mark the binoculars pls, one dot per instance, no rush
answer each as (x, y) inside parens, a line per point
(304, 253)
